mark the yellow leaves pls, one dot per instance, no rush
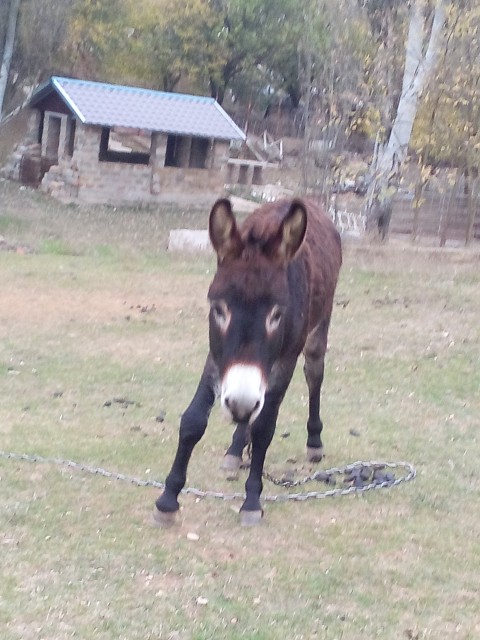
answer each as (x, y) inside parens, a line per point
(449, 114)
(93, 31)
(366, 121)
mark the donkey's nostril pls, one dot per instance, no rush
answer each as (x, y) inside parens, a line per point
(233, 407)
(241, 412)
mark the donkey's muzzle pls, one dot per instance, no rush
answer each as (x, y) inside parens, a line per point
(243, 392)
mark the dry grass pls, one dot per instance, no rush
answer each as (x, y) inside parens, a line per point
(105, 313)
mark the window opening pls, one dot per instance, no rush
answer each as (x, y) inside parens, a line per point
(127, 146)
(257, 175)
(243, 174)
(187, 152)
(198, 153)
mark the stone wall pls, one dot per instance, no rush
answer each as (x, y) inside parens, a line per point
(28, 150)
(13, 128)
(84, 178)
(62, 180)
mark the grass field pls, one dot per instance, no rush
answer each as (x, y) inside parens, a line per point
(94, 310)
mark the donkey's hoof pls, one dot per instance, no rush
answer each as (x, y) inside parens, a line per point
(314, 454)
(163, 519)
(231, 465)
(251, 518)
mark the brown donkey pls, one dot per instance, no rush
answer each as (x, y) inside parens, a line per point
(270, 299)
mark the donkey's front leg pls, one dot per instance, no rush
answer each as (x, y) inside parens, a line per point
(263, 429)
(192, 427)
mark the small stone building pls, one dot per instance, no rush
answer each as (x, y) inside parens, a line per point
(95, 142)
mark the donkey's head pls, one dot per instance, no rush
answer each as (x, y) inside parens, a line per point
(249, 299)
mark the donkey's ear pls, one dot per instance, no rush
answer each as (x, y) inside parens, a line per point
(291, 232)
(223, 230)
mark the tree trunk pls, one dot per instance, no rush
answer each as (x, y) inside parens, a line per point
(306, 110)
(472, 205)
(418, 67)
(8, 49)
(417, 70)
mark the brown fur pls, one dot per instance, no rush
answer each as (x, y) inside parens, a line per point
(271, 298)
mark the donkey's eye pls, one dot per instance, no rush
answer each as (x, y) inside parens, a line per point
(218, 311)
(221, 314)
(273, 319)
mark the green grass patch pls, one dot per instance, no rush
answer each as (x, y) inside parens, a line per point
(56, 247)
(11, 224)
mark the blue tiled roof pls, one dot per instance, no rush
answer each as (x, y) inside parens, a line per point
(111, 105)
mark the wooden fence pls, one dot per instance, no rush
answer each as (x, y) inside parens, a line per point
(441, 216)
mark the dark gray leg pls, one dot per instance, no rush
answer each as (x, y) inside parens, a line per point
(233, 457)
(239, 440)
(314, 370)
(192, 427)
(262, 433)
(314, 377)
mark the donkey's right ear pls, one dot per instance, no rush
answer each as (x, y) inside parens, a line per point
(223, 230)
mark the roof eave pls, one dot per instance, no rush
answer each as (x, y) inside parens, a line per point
(50, 86)
(240, 134)
(40, 93)
(68, 99)
(237, 134)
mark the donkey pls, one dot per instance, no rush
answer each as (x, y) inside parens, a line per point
(270, 299)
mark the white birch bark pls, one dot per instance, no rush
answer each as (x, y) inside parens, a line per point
(8, 49)
(418, 67)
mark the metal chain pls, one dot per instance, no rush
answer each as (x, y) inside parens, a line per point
(199, 493)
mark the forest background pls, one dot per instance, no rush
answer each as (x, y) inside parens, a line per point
(343, 75)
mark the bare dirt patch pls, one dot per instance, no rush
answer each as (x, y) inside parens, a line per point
(32, 309)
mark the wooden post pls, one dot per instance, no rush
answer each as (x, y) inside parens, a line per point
(445, 223)
(417, 205)
(472, 205)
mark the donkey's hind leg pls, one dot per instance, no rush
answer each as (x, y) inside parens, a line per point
(233, 457)
(315, 349)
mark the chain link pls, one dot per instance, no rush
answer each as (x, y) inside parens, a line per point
(410, 474)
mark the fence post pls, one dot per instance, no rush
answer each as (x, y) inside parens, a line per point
(471, 207)
(445, 223)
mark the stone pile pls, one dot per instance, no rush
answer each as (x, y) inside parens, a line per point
(24, 164)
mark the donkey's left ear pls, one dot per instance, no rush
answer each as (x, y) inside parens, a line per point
(223, 230)
(292, 231)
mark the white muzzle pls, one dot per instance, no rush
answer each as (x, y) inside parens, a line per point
(243, 392)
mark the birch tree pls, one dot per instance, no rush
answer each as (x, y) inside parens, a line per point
(422, 51)
(8, 49)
